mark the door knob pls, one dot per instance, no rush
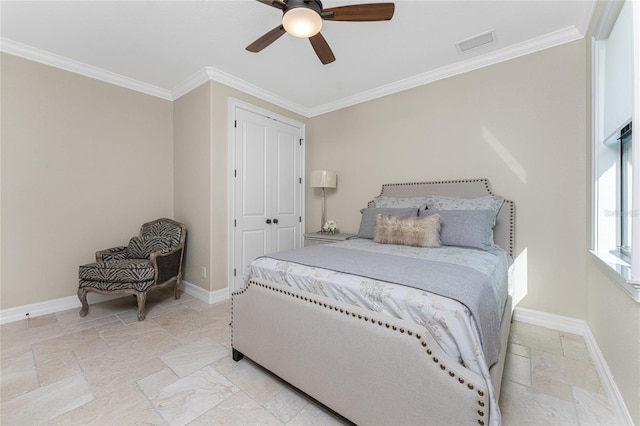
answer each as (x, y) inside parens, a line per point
(275, 221)
(269, 221)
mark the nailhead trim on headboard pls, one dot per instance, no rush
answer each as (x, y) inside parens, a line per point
(511, 205)
(440, 182)
(481, 392)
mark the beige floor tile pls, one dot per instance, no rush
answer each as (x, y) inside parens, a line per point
(566, 370)
(175, 368)
(193, 356)
(51, 370)
(18, 373)
(521, 405)
(314, 414)
(42, 320)
(47, 402)
(96, 310)
(519, 350)
(126, 406)
(97, 323)
(153, 384)
(287, 404)
(255, 381)
(107, 383)
(517, 369)
(574, 347)
(189, 397)
(145, 339)
(24, 338)
(594, 409)
(536, 337)
(238, 410)
(182, 324)
(65, 344)
(552, 387)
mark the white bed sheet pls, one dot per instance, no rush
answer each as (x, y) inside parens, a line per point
(449, 321)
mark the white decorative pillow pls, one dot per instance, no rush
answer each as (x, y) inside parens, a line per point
(368, 221)
(408, 231)
(399, 202)
(440, 202)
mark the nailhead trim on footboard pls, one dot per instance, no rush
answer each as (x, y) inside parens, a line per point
(479, 390)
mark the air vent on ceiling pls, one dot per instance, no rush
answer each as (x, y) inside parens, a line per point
(475, 41)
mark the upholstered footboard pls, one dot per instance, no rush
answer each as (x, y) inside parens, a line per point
(368, 367)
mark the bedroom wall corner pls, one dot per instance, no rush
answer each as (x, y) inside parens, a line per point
(80, 162)
(192, 189)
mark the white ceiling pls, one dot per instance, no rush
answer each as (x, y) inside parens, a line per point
(167, 47)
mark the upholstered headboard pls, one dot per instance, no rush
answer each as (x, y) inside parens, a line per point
(503, 232)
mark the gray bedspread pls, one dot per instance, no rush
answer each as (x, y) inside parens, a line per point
(466, 285)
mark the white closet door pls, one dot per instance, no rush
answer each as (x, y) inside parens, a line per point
(286, 187)
(268, 190)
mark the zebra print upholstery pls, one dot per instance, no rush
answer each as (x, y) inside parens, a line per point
(151, 260)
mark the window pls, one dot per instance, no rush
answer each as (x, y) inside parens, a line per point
(615, 191)
(626, 194)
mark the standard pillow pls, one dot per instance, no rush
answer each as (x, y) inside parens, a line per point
(399, 202)
(465, 228)
(440, 202)
(408, 231)
(142, 247)
(368, 220)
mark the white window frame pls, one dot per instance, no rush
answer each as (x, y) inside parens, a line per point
(625, 274)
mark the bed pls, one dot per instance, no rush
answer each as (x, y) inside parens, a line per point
(381, 353)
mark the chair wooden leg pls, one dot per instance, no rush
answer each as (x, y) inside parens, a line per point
(142, 298)
(177, 289)
(82, 295)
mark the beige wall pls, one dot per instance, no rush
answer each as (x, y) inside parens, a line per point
(519, 123)
(202, 171)
(192, 191)
(84, 164)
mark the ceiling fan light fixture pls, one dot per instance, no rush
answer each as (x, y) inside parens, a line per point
(302, 22)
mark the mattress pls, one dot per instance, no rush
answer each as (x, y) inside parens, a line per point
(449, 321)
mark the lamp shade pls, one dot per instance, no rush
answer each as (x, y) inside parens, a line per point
(323, 179)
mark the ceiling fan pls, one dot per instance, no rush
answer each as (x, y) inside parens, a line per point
(303, 18)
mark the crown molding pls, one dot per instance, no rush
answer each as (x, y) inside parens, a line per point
(205, 74)
(546, 41)
(37, 55)
(252, 89)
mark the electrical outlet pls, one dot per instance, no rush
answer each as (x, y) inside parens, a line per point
(204, 272)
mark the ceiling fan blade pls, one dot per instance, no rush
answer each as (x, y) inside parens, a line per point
(274, 3)
(360, 12)
(266, 39)
(322, 49)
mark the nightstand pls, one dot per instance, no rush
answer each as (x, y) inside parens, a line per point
(316, 238)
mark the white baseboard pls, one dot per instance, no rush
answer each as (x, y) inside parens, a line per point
(580, 327)
(209, 297)
(33, 310)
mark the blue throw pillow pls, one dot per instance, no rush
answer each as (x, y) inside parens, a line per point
(466, 228)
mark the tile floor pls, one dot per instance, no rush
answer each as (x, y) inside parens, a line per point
(175, 368)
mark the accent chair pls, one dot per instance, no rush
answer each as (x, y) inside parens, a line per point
(152, 260)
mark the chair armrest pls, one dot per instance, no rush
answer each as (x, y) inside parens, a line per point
(167, 264)
(114, 253)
